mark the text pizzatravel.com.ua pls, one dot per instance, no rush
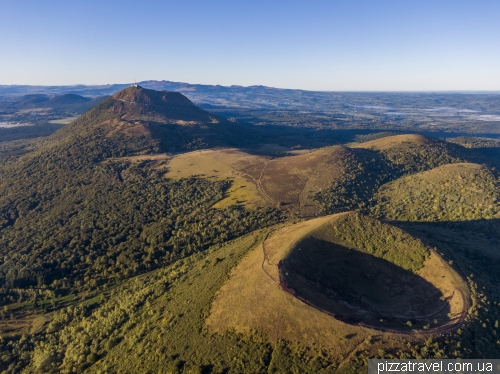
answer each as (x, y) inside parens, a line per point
(433, 366)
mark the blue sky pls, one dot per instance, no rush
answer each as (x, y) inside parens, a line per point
(362, 45)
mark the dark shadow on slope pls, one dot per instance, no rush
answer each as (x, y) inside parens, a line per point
(357, 287)
(473, 247)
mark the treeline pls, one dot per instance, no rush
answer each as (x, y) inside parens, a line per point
(411, 157)
(470, 142)
(363, 172)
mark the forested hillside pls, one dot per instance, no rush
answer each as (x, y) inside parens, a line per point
(69, 222)
(369, 165)
(454, 192)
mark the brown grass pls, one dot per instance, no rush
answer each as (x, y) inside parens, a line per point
(258, 180)
(390, 141)
(132, 129)
(140, 158)
(291, 180)
(434, 272)
(26, 325)
(38, 322)
(219, 164)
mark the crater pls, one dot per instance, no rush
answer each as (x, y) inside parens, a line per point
(332, 280)
(371, 274)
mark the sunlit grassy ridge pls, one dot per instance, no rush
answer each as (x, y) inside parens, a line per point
(240, 168)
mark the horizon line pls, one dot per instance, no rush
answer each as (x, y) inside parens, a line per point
(263, 86)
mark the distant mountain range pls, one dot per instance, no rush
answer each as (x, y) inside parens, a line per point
(423, 112)
(263, 97)
(232, 96)
(63, 102)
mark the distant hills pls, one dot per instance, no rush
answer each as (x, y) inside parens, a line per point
(428, 113)
(264, 97)
(64, 102)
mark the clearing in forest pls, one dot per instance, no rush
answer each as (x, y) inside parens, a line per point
(285, 182)
(218, 164)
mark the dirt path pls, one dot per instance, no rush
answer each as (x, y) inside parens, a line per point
(260, 188)
(269, 199)
(265, 257)
(354, 350)
(313, 174)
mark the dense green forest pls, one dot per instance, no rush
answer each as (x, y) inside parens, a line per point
(471, 142)
(87, 236)
(451, 192)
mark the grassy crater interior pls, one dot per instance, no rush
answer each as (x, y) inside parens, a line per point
(366, 272)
